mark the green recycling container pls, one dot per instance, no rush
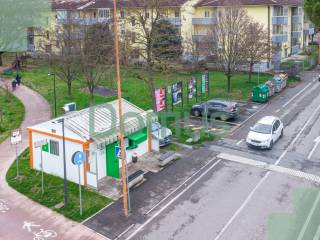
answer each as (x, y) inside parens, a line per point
(260, 93)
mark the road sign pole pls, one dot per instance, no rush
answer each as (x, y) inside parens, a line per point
(17, 160)
(80, 195)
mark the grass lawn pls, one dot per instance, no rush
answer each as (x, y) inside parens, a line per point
(11, 113)
(29, 184)
(135, 90)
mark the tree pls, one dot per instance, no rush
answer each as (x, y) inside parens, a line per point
(258, 46)
(226, 42)
(312, 9)
(97, 55)
(154, 40)
(62, 48)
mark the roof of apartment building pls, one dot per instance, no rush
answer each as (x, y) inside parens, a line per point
(219, 3)
(86, 4)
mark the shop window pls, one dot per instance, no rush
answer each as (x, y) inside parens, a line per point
(54, 147)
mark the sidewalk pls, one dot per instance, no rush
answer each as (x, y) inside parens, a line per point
(20, 217)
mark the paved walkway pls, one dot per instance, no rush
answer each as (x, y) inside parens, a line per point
(20, 217)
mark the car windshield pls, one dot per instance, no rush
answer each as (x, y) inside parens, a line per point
(262, 128)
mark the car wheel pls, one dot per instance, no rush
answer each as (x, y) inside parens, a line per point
(196, 113)
(224, 117)
(271, 145)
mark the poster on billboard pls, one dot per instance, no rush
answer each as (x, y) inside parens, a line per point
(176, 93)
(160, 95)
(205, 83)
(192, 88)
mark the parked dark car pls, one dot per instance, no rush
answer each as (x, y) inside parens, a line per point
(216, 109)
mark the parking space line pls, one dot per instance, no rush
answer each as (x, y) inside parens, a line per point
(238, 143)
(245, 121)
(172, 201)
(301, 91)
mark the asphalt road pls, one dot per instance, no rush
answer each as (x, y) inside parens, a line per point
(240, 196)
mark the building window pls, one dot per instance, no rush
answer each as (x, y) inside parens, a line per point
(48, 34)
(133, 21)
(206, 14)
(177, 14)
(61, 14)
(104, 13)
(122, 14)
(147, 15)
(54, 147)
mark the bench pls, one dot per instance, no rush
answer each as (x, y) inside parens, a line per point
(135, 178)
(167, 158)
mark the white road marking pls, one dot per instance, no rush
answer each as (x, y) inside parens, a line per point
(270, 167)
(288, 102)
(29, 225)
(306, 223)
(180, 186)
(97, 213)
(317, 235)
(278, 110)
(171, 201)
(242, 124)
(243, 205)
(317, 142)
(238, 143)
(124, 232)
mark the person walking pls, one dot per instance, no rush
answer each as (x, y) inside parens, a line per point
(14, 84)
(18, 79)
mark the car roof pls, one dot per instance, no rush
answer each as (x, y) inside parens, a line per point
(221, 101)
(268, 119)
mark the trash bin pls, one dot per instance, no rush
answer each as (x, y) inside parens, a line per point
(271, 88)
(260, 93)
(284, 77)
(278, 83)
(134, 157)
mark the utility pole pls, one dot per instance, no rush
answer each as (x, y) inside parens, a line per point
(122, 152)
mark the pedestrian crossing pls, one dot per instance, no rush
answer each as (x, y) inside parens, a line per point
(270, 167)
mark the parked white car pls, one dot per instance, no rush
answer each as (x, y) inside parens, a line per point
(163, 134)
(265, 132)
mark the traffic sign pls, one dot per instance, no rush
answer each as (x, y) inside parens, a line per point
(118, 152)
(16, 136)
(78, 158)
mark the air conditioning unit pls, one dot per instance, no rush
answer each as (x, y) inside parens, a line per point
(69, 107)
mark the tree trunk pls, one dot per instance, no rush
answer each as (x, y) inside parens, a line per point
(250, 72)
(91, 97)
(69, 83)
(1, 63)
(229, 83)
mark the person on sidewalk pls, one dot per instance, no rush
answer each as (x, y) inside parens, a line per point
(18, 79)
(14, 84)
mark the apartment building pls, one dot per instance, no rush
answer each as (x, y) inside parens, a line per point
(285, 20)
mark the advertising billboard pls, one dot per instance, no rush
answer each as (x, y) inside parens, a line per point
(176, 93)
(160, 95)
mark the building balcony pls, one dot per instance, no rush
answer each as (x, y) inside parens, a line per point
(203, 21)
(280, 20)
(84, 21)
(296, 19)
(296, 34)
(279, 38)
(199, 38)
(309, 31)
(295, 49)
(174, 21)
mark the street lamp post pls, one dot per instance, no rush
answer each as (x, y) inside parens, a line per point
(54, 92)
(65, 190)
